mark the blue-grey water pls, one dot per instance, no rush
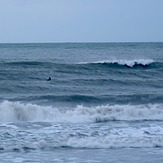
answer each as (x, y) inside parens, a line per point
(104, 102)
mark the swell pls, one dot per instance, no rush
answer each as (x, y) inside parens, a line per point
(26, 63)
(139, 63)
(94, 100)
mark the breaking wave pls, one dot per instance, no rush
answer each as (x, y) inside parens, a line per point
(127, 63)
(56, 128)
(16, 111)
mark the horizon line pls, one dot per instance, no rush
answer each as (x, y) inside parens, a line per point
(78, 42)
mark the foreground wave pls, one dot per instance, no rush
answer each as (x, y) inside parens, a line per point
(49, 136)
(16, 111)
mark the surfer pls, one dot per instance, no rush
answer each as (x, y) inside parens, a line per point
(49, 79)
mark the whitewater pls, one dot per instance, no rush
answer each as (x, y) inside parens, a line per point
(103, 104)
(16, 111)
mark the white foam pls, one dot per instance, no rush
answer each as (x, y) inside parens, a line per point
(16, 111)
(129, 63)
(116, 142)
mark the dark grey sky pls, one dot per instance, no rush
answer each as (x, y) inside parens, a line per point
(81, 20)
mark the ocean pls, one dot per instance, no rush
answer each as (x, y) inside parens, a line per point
(104, 102)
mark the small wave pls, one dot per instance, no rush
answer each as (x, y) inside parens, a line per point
(117, 142)
(65, 98)
(16, 111)
(27, 63)
(128, 63)
(107, 142)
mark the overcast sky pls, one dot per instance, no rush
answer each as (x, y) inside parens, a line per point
(81, 20)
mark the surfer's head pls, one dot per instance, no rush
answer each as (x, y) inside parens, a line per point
(49, 79)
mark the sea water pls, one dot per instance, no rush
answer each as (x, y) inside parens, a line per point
(104, 102)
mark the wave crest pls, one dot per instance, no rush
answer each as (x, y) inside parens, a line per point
(128, 63)
(16, 111)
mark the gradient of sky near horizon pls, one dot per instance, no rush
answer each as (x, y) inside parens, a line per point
(81, 21)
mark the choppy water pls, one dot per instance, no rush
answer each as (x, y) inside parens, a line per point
(103, 104)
